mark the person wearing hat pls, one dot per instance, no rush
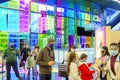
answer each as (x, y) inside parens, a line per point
(45, 60)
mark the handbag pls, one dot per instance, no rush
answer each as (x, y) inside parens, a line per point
(62, 70)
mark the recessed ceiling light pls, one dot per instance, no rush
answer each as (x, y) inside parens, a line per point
(117, 1)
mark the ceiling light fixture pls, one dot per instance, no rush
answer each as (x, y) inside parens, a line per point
(117, 1)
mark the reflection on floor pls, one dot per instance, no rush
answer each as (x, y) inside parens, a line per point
(24, 75)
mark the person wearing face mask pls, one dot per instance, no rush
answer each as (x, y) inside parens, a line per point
(45, 60)
(24, 55)
(114, 62)
(71, 50)
(10, 55)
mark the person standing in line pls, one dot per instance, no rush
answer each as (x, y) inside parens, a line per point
(24, 55)
(35, 53)
(103, 62)
(45, 60)
(85, 72)
(72, 67)
(71, 49)
(30, 64)
(10, 55)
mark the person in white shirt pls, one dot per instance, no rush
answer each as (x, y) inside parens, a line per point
(72, 67)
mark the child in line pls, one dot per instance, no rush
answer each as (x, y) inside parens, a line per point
(72, 67)
(86, 73)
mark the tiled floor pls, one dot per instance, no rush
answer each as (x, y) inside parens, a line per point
(24, 76)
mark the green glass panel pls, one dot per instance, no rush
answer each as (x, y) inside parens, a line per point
(42, 40)
(13, 4)
(3, 40)
(34, 7)
(50, 24)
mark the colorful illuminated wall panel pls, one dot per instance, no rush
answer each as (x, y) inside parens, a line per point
(5, 4)
(3, 19)
(70, 40)
(70, 13)
(50, 10)
(24, 36)
(51, 18)
(24, 5)
(42, 40)
(33, 40)
(34, 22)
(13, 21)
(14, 38)
(42, 23)
(71, 26)
(3, 40)
(58, 41)
(50, 24)
(23, 23)
(59, 25)
(34, 7)
(83, 41)
(13, 4)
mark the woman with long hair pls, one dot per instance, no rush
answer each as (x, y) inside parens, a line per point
(103, 62)
(72, 67)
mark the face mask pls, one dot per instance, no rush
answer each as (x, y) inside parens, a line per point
(51, 46)
(113, 52)
(26, 46)
(12, 46)
(72, 50)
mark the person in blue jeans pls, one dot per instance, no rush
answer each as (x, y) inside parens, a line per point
(10, 55)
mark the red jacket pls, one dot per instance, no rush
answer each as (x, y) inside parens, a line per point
(85, 72)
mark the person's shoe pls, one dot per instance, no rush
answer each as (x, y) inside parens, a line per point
(20, 78)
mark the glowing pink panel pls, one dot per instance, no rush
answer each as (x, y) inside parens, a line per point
(42, 22)
(24, 5)
(59, 25)
(23, 21)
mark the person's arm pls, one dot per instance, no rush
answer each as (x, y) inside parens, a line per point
(39, 60)
(18, 54)
(4, 54)
(89, 64)
(85, 70)
(21, 54)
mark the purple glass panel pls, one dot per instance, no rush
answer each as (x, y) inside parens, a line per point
(42, 0)
(24, 5)
(23, 21)
(59, 25)
(42, 23)
(70, 40)
(59, 3)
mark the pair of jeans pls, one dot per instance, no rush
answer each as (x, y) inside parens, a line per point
(45, 77)
(15, 68)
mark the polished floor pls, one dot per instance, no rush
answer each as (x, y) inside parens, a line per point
(24, 75)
